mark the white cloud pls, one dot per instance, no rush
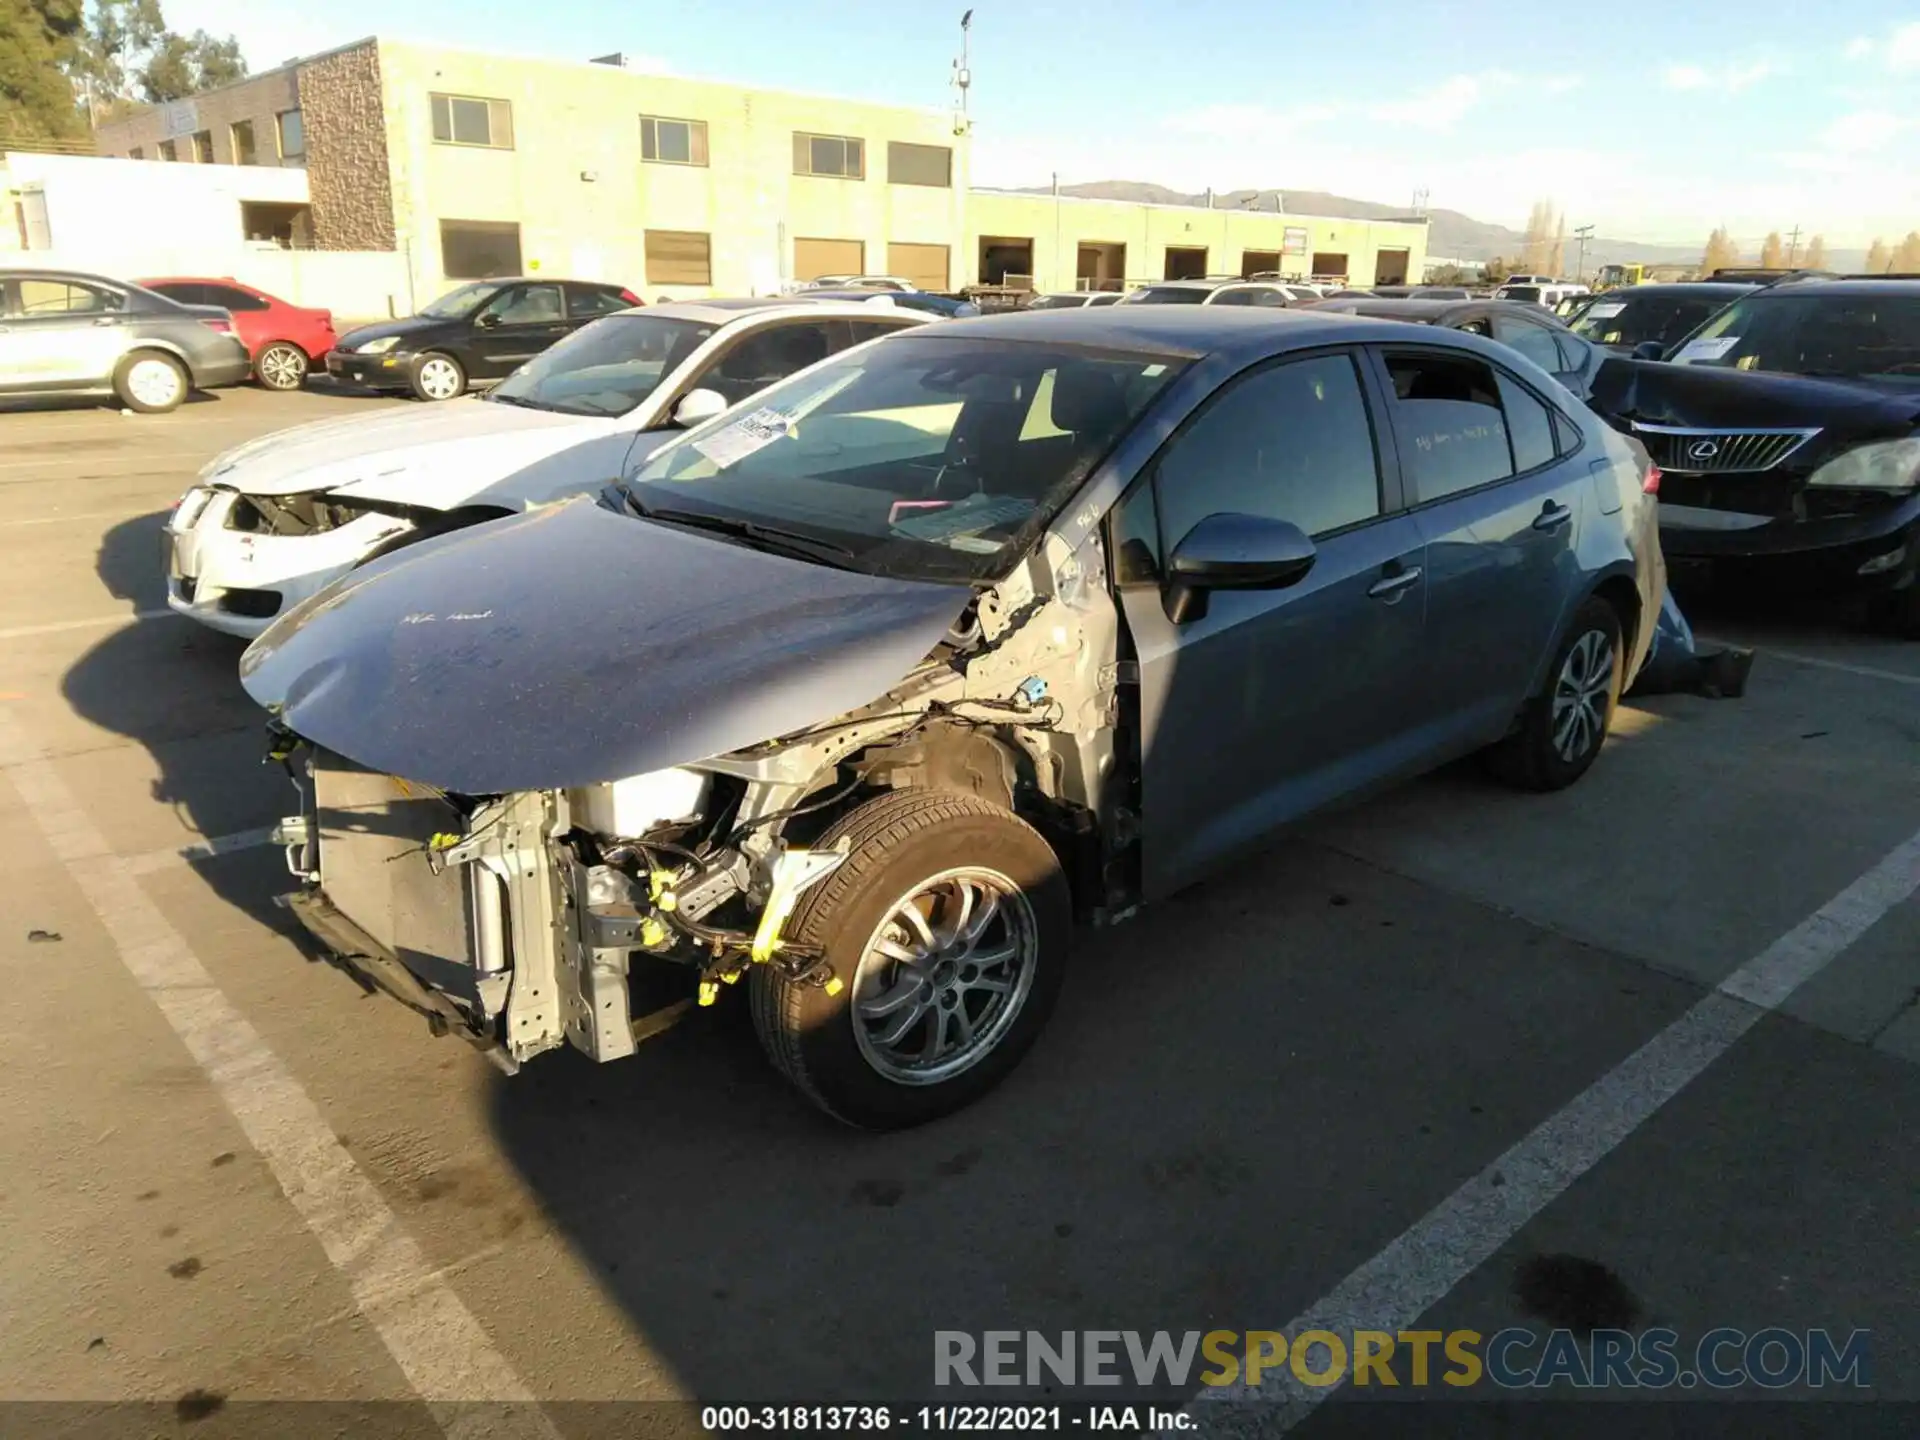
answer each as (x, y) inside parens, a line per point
(1903, 50)
(1858, 48)
(1726, 79)
(1443, 106)
(1863, 130)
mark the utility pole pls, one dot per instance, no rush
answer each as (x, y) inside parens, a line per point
(1793, 246)
(1583, 233)
(962, 79)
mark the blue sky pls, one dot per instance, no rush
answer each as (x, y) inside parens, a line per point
(1653, 123)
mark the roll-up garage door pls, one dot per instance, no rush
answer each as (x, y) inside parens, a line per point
(814, 258)
(924, 265)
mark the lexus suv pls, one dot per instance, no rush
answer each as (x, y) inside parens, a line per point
(1787, 428)
(864, 692)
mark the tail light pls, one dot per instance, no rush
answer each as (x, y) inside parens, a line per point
(224, 327)
(1650, 482)
(631, 298)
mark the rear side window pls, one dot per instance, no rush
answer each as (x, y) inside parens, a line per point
(1529, 426)
(1289, 442)
(584, 301)
(229, 297)
(1448, 417)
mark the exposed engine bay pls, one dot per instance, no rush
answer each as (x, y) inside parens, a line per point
(516, 920)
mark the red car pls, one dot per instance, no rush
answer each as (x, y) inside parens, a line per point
(284, 340)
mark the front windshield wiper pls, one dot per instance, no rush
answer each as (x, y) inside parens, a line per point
(525, 404)
(767, 537)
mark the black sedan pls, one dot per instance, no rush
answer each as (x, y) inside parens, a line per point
(1653, 315)
(483, 331)
(1526, 328)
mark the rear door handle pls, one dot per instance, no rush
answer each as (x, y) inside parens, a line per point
(1552, 516)
(1388, 587)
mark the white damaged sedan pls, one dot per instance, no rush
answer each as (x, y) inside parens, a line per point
(273, 521)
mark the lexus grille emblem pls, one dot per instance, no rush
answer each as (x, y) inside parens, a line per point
(1703, 449)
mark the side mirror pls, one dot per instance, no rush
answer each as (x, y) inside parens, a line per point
(1649, 350)
(489, 320)
(1227, 551)
(698, 406)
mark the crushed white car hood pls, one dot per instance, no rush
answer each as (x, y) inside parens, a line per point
(432, 455)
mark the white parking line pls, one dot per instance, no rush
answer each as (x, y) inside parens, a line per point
(152, 861)
(98, 622)
(1393, 1289)
(82, 515)
(1873, 672)
(433, 1337)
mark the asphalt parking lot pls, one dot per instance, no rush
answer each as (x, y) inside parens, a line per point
(1249, 1096)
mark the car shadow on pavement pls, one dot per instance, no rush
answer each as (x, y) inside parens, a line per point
(174, 688)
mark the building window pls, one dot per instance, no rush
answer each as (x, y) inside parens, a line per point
(293, 135)
(466, 120)
(673, 142)
(919, 164)
(136, 153)
(479, 249)
(679, 257)
(841, 156)
(169, 151)
(203, 147)
(244, 152)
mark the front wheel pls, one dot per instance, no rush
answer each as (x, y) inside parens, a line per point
(1563, 727)
(438, 377)
(281, 366)
(947, 927)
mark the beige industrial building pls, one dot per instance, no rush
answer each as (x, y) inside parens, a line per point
(460, 165)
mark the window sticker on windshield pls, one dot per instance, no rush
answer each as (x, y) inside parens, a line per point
(1607, 311)
(1707, 349)
(964, 518)
(734, 443)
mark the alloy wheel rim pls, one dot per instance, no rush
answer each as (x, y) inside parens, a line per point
(1580, 695)
(281, 367)
(438, 379)
(944, 975)
(154, 382)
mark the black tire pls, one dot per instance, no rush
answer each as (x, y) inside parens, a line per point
(281, 366)
(1529, 758)
(124, 379)
(899, 841)
(423, 379)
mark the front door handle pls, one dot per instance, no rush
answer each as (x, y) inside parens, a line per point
(1389, 587)
(1552, 516)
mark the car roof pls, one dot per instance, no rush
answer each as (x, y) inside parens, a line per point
(1170, 329)
(14, 270)
(731, 308)
(1727, 290)
(1434, 312)
(1862, 285)
(1198, 284)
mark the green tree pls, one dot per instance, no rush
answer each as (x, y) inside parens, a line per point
(1721, 252)
(1816, 253)
(1906, 260)
(127, 55)
(1496, 270)
(38, 38)
(1879, 258)
(1773, 252)
(1545, 239)
(185, 65)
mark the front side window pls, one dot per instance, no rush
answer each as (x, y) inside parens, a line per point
(606, 368)
(1447, 415)
(673, 142)
(1291, 441)
(245, 152)
(1851, 336)
(66, 297)
(764, 356)
(525, 305)
(472, 120)
(841, 156)
(1167, 295)
(923, 458)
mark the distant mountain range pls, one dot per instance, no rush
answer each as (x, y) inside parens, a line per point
(1450, 234)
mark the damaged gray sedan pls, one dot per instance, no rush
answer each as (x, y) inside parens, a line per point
(866, 692)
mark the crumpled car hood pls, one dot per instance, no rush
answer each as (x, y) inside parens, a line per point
(573, 645)
(1702, 396)
(473, 441)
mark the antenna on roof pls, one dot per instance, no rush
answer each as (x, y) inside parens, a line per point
(962, 79)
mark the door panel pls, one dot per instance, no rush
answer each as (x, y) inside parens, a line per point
(64, 333)
(1501, 553)
(531, 317)
(1273, 702)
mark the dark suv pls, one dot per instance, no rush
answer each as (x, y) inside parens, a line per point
(1787, 429)
(482, 331)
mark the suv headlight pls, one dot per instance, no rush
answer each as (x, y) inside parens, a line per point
(1881, 465)
(377, 347)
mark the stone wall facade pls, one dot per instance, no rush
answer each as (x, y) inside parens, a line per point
(349, 182)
